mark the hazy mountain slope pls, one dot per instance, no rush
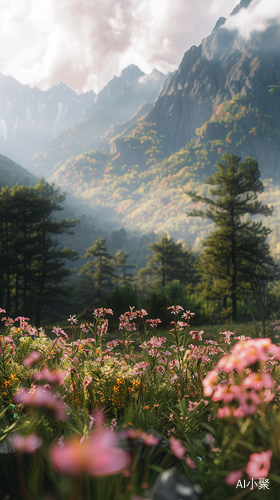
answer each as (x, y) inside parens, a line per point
(31, 118)
(223, 65)
(116, 103)
(11, 174)
(141, 187)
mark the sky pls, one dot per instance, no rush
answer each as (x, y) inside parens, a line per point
(84, 43)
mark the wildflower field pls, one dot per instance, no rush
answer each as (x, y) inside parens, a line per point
(87, 417)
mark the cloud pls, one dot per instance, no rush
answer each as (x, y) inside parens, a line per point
(85, 43)
(256, 17)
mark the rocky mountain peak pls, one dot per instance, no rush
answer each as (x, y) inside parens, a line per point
(224, 64)
(242, 5)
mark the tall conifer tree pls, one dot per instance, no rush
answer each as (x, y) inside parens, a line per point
(236, 253)
(32, 267)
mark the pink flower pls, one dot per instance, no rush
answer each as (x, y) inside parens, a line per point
(32, 358)
(230, 363)
(139, 368)
(249, 402)
(149, 439)
(59, 332)
(226, 394)
(239, 412)
(153, 322)
(268, 395)
(258, 380)
(173, 378)
(42, 398)
(177, 448)
(227, 337)
(190, 463)
(26, 444)
(259, 464)
(209, 382)
(196, 334)
(98, 456)
(2, 310)
(224, 412)
(73, 319)
(234, 477)
(192, 405)
(142, 313)
(22, 322)
(52, 377)
(87, 380)
(175, 309)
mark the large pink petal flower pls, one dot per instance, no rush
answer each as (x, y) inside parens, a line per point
(258, 380)
(234, 477)
(104, 457)
(209, 382)
(68, 458)
(26, 444)
(259, 464)
(99, 456)
(32, 358)
(177, 448)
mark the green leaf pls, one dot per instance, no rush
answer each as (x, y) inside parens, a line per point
(274, 477)
(249, 446)
(157, 468)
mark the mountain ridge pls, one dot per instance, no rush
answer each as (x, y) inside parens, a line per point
(120, 99)
(31, 118)
(222, 66)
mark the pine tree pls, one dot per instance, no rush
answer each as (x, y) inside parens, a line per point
(32, 267)
(120, 260)
(48, 268)
(99, 271)
(236, 253)
(169, 262)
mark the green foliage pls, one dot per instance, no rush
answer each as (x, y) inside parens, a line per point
(98, 273)
(169, 262)
(120, 260)
(236, 253)
(32, 267)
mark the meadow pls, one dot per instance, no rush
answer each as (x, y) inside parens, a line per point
(85, 414)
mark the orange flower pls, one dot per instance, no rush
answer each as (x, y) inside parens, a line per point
(147, 407)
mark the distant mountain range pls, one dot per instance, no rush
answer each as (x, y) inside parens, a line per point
(117, 102)
(148, 138)
(31, 118)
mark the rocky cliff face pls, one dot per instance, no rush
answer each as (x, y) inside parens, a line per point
(222, 66)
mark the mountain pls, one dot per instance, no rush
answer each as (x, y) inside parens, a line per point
(116, 103)
(222, 66)
(31, 118)
(11, 174)
(217, 101)
(131, 169)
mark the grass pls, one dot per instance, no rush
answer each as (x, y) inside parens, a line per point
(211, 331)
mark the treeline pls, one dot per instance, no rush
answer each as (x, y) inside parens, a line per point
(228, 279)
(233, 270)
(33, 276)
